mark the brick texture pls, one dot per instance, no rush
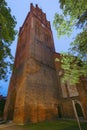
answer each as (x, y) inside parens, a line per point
(35, 92)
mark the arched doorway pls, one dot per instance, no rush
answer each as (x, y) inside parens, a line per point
(79, 110)
(59, 111)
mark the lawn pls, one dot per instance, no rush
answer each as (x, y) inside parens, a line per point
(56, 125)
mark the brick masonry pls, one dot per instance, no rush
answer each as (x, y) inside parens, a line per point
(35, 91)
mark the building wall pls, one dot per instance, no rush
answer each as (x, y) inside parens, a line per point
(68, 93)
(36, 92)
(34, 80)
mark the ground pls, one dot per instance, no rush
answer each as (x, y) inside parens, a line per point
(48, 125)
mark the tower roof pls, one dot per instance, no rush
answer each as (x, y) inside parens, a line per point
(39, 14)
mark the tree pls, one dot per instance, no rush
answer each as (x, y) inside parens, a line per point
(2, 104)
(73, 16)
(7, 35)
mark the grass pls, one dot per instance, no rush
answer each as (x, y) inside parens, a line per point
(56, 125)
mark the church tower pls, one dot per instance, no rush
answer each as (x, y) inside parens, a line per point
(33, 89)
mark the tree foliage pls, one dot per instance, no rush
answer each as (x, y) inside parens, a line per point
(73, 16)
(7, 35)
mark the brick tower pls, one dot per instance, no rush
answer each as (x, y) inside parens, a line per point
(33, 90)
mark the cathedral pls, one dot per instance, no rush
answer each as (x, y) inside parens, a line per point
(36, 92)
